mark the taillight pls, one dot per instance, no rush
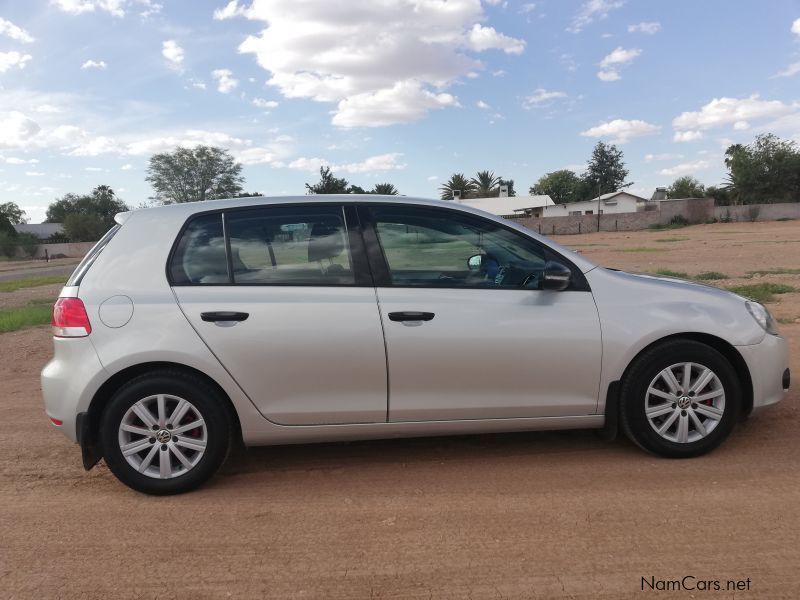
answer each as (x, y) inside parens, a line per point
(70, 318)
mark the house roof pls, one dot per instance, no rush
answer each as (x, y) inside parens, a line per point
(40, 230)
(611, 195)
(507, 205)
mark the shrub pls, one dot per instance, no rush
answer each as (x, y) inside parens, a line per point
(753, 212)
(84, 228)
(761, 292)
(28, 242)
(8, 244)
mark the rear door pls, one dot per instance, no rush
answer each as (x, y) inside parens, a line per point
(283, 297)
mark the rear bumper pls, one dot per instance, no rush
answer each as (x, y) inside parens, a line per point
(69, 382)
(768, 363)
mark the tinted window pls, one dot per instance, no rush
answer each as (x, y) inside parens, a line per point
(428, 247)
(290, 245)
(200, 255)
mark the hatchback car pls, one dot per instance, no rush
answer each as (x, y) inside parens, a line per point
(318, 318)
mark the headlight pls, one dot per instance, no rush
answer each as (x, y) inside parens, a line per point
(762, 317)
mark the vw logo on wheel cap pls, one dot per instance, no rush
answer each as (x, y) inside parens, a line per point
(163, 436)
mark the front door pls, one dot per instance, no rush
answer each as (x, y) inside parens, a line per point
(282, 296)
(470, 333)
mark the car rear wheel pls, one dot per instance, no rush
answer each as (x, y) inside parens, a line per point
(680, 399)
(165, 432)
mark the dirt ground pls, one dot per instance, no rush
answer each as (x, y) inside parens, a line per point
(535, 515)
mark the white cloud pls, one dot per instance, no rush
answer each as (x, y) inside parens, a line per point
(230, 10)
(796, 27)
(528, 7)
(261, 103)
(620, 131)
(498, 73)
(17, 130)
(620, 56)
(790, 71)
(93, 169)
(688, 136)
(373, 164)
(172, 52)
(685, 168)
(665, 156)
(591, 10)
(541, 97)
(371, 52)
(487, 38)
(741, 125)
(610, 75)
(47, 108)
(126, 167)
(649, 28)
(403, 103)
(8, 29)
(225, 80)
(482, 105)
(727, 111)
(94, 64)
(13, 160)
(13, 59)
(96, 146)
(189, 138)
(34, 173)
(432, 178)
(77, 7)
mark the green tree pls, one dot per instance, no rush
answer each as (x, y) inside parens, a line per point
(102, 202)
(12, 212)
(194, 174)
(457, 182)
(606, 170)
(768, 170)
(720, 194)
(562, 186)
(356, 189)
(84, 228)
(328, 183)
(384, 189)
(686, 187)
(248, 195)
(486, 184)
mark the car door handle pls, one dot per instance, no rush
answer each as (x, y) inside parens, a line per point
(224, 315)
(410, 316)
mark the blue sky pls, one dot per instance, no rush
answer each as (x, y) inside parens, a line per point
(404, 91)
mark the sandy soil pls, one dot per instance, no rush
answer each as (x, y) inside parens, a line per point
(503, 516)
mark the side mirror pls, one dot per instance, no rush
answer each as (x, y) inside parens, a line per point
(556, 276)
(474, 262)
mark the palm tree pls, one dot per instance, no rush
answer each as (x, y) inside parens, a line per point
(457, 182)
(384, 189)
(486, 184)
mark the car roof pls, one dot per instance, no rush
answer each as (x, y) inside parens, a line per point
(184, 210)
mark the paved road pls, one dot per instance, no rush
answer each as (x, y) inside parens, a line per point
(502, 516)
(38, 270)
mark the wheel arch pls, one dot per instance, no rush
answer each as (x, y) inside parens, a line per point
(720, 345)
(89, 422)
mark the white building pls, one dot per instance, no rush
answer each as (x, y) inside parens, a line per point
(612, 203)
(508, 206)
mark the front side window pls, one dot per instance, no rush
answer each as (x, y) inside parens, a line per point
(290, 246)
(435, 248)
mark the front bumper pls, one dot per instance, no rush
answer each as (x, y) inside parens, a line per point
(768, 362)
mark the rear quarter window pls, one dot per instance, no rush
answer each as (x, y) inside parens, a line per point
(200, 257)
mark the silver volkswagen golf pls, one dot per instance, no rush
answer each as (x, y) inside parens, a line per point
(191, 327)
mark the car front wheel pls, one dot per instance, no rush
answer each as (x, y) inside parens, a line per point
(165, 433)
(680, 399)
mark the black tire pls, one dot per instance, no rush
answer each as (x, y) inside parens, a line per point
(634, 393)
(207, 402)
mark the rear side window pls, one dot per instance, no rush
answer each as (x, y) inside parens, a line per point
(200, 256)
(289, 245)
(88, 260)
